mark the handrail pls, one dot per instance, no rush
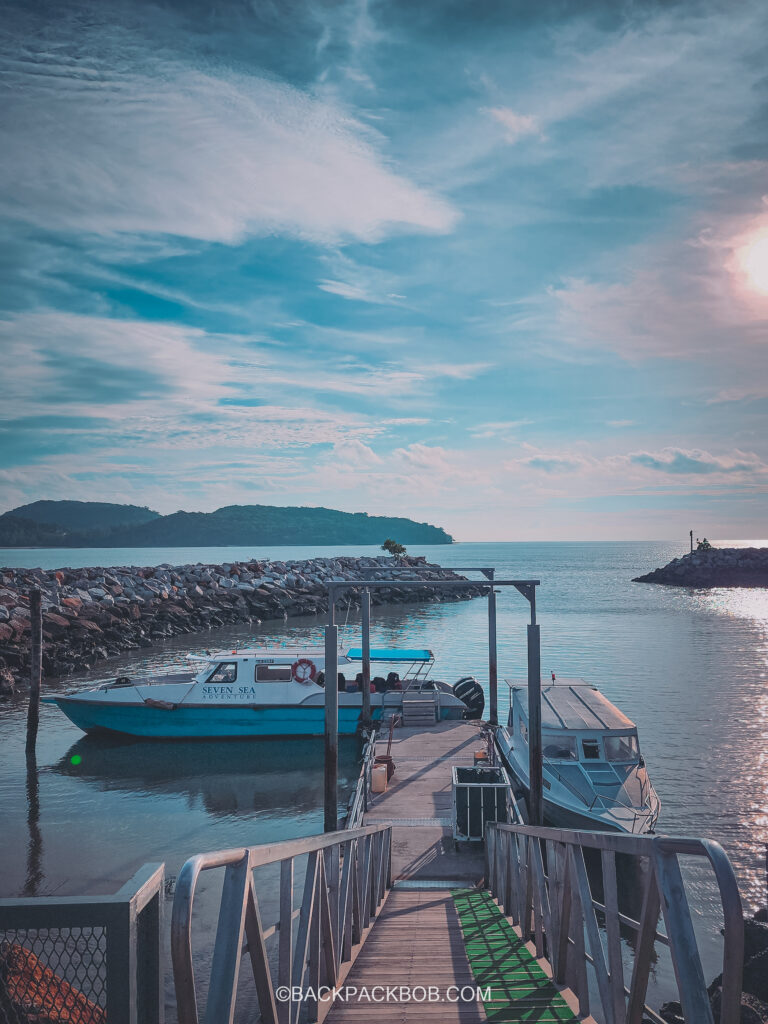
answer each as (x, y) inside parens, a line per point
(555, 907)
(358, 801)
(346, 880)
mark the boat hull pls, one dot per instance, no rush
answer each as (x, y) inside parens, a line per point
(207, 722)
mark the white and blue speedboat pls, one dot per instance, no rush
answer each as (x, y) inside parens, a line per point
(594, 775)
(260, 692)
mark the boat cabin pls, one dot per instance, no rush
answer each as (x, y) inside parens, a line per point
(305, 665)
(578, 723)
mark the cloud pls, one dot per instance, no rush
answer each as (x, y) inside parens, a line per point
(677, 461)
(144, 143)
(499, 427)
(552, 464)
(356, 455)
(516, 126)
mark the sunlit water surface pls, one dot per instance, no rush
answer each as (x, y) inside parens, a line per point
(689, 667)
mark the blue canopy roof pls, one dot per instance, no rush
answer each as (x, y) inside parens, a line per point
(391, 654)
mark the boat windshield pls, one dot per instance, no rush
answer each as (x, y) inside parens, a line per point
(219, 672)
(559, 748)
(621, 748)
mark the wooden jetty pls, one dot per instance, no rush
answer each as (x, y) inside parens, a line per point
(417, 804)
(420, 943)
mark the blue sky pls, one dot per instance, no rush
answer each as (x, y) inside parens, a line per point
(498, 266)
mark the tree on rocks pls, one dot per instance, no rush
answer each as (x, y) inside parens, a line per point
(393, 548)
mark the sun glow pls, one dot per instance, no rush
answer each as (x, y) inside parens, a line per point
(754, 262)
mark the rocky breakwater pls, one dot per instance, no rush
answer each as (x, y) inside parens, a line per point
(93, 614)
(718, 567)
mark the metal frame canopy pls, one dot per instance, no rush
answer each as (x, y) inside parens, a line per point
(525, 587)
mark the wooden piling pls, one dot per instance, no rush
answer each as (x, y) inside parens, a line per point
(36, 667)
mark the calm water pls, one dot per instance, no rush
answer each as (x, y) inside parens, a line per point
(691, 668)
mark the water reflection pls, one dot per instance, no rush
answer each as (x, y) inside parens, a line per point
(35, 838)
(225, 777)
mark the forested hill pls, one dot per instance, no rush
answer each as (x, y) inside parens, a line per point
(98, 524)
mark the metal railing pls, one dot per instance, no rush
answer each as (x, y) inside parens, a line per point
(358, 801)
(98, 957)
(347, 877)
(539, 876)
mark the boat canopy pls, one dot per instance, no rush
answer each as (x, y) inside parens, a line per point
(398, 654)
(575, 704)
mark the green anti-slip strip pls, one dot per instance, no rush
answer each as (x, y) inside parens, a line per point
(519, 988)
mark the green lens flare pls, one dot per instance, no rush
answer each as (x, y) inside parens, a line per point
(75, 759)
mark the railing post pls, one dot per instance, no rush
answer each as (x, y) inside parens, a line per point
(121, 966)
(285, 938)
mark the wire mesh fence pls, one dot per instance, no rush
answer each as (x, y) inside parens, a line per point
(70, 961)
(53, 974)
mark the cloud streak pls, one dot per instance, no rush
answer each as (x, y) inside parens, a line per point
(143, 143)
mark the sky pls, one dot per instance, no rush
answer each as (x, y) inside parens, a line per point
(494, 265)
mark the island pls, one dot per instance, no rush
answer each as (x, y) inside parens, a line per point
(89, 524)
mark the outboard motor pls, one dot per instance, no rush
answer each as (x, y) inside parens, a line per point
(470, 692)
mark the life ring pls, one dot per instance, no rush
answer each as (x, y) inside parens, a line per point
(304, 671)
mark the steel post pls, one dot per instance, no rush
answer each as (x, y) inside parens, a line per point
(331, 725)
(493, 680)
(365, 608)
(535, 810)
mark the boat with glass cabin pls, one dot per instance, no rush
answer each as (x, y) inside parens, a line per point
(594, 775)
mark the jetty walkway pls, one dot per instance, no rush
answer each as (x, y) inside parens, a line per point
(438, 935)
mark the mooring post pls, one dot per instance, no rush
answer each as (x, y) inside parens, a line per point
(365, 609)
(331, 718)
(536, 810)
(493, 680)
(36, 667)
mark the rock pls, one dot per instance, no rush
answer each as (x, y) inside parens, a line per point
(753, 1010)
(92, 614)
(719, 567)
(7, 683)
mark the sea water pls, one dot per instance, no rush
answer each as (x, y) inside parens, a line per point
(689, 667)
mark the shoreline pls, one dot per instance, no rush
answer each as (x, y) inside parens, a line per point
(95, 613)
